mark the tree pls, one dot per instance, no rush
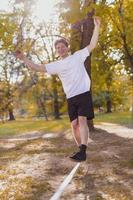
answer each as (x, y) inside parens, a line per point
(81, 30)
(122, 19)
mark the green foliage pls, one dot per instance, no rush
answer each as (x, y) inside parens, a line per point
(112, 59)
(33, 94)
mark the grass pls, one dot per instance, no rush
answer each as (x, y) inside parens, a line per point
(11, 128)
(19, 126)
(26, 188)
(127, 163)
(36, 187)
(123, 118)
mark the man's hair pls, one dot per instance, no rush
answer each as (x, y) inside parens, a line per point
(61, 41)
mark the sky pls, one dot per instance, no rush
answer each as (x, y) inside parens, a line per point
(4, 5)
(43, 9)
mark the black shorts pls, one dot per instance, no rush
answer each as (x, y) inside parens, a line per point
(80, 105)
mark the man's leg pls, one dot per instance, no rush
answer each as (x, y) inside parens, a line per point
(84, 130)
(76, 132)
(84, 133)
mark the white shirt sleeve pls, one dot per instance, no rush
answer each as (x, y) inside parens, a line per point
(53, 67)
(82, 54)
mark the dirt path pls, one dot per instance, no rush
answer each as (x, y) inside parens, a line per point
(116, 129)
(33, 165)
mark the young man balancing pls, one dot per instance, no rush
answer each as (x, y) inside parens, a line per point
(76, 85)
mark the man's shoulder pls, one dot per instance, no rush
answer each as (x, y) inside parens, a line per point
(56, 61)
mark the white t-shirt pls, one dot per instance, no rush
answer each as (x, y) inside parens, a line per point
(72, 73)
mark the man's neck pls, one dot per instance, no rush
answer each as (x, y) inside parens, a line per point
(62, 57)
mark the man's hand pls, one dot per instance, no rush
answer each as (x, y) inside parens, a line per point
(29, 63)
(19, 55)
(95, 35)
(97, 21)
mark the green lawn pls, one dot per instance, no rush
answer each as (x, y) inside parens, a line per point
(20, 126)
(123, 118)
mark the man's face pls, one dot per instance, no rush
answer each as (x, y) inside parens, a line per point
(61, 49)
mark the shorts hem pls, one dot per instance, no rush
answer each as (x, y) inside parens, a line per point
(88, 118)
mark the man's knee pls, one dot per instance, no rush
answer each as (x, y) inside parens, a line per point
(82, 120)
(74, 124)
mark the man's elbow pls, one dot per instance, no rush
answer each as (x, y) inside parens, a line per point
(40, 68)
(91, 47)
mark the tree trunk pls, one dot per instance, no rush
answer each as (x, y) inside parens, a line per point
(41, 103)
(55, 96)
(84, 30)
(11, 115)
(108, 103)
(132, 97)
(88, 27)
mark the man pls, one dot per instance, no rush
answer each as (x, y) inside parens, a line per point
(76, 85)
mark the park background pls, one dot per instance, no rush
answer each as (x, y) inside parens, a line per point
(34, 103)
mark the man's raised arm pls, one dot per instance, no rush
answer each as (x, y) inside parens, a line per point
(29, 63)
(95, 35)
